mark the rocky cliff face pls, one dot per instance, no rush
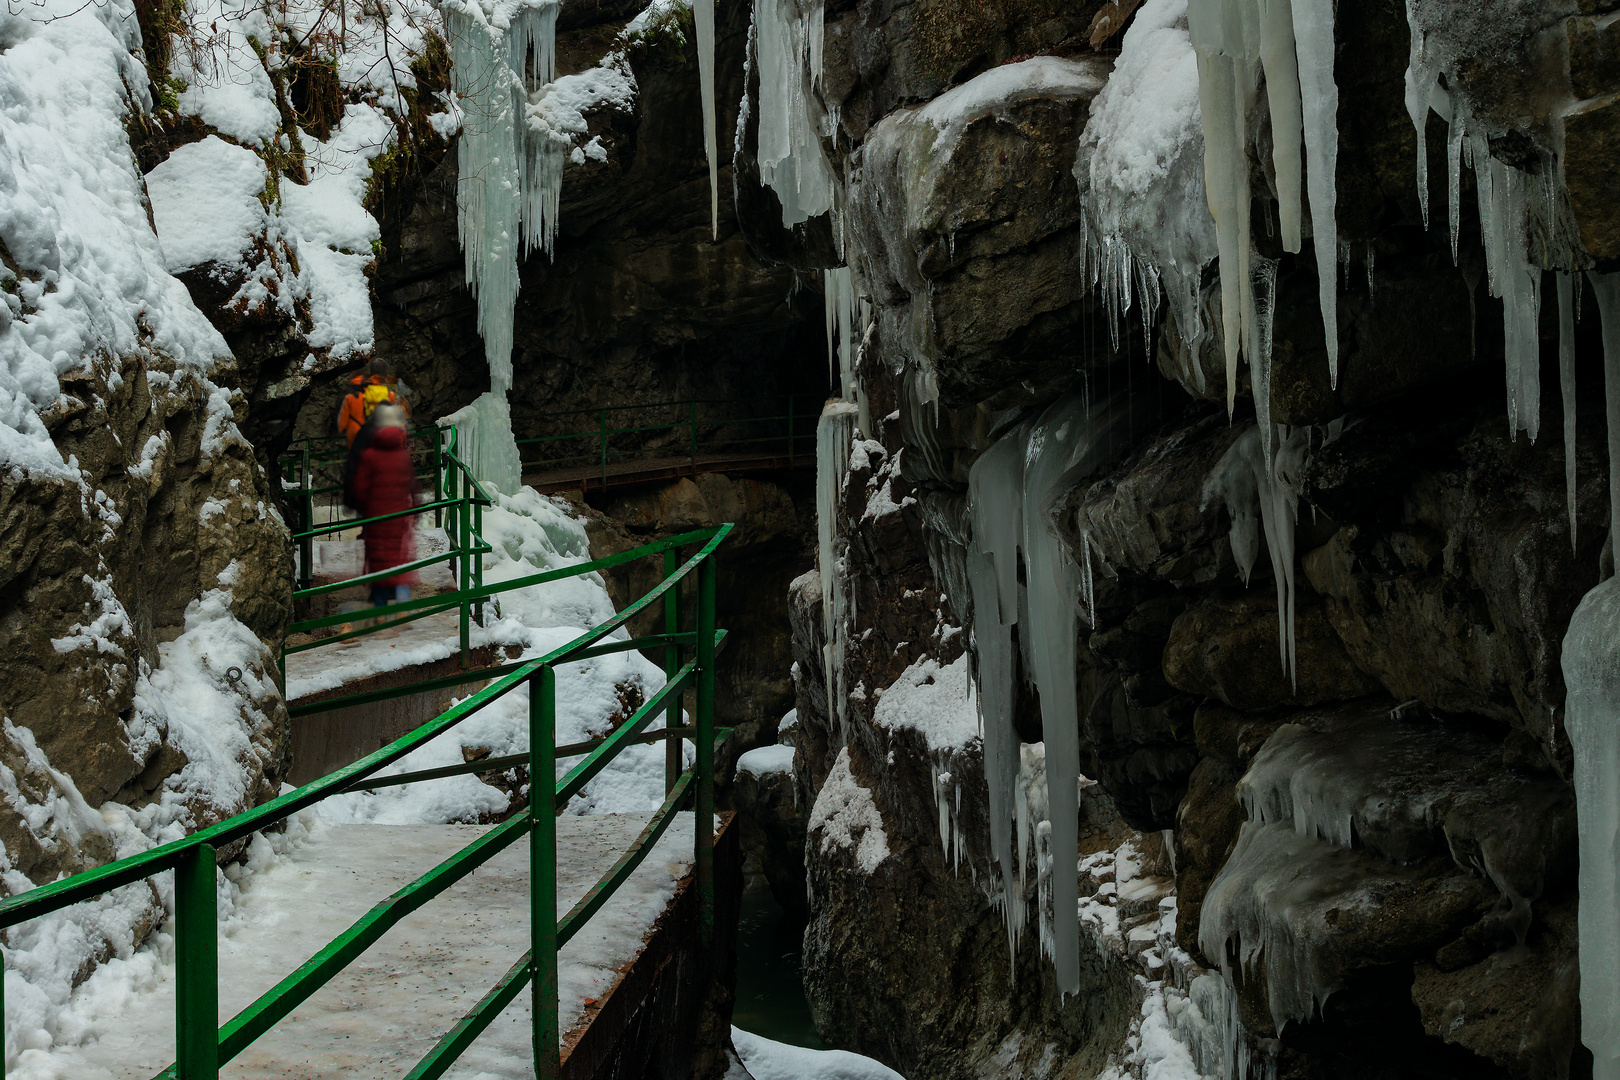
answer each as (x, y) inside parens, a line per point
(1352, 748)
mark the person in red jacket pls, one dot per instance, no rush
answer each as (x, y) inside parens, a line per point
(383, 481)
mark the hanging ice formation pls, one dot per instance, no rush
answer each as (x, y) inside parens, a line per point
(1261, 497)
(703, 22)
(1013, 490)
(788, 45)
(835, 434)
(1291, 42)
(492, 44)
(1504, 194)
(847, 315)
(1141, 176)
(1591, 663)
(511, 157)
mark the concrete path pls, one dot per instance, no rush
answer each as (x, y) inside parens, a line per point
(387, 1009)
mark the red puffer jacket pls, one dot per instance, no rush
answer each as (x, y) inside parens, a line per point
(384, 482)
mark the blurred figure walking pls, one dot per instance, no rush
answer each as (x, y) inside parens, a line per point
(382, 480)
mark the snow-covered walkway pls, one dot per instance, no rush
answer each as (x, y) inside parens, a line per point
(386, 1010)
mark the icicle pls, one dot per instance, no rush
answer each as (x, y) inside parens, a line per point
(1454, 145)
(1293, 42)
(1265, 302)
(1013, 490)
(1607, 289)
(1319, 97)
(1566, 387)
(703, 19)
(1262, 496)
(1372, 282)
(835, 433)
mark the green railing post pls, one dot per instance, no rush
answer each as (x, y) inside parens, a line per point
(306, 548)
(438, 476)
(672, 666)
(196, 966)
(704, 808)
(478, 558)
(464, 545)
(604, 449)
(543, 870)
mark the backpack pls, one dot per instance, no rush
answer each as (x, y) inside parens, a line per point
(373, 395)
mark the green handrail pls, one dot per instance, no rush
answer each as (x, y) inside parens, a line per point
(457, 495)
(202, 1046)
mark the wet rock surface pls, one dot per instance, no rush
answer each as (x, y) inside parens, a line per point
(1433, 572)
(169, 532)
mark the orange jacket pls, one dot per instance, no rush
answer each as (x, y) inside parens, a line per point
(356, 408)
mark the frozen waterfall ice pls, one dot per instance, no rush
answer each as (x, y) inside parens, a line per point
(788, 45)
(1291, 44)
(1013, 494)
(497, 47)
(1591, 665)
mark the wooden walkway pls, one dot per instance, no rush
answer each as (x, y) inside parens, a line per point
(653, 470)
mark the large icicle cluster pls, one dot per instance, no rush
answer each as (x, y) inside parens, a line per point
(1291, 43)
(1013, 490)
(789, 41)
(1507, 198)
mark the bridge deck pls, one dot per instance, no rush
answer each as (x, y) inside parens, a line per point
(650, 470)
(385, 1011)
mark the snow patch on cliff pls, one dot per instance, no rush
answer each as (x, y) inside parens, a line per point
(845, 816)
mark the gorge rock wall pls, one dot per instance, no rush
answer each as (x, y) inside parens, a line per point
(1376, 843)
(145, 585)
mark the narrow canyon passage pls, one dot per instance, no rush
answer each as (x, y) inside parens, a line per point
(1042, 539)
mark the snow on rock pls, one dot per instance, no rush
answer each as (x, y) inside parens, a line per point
(1141, 174)
(766, 760)
(227, 86)
(845, 816)
(92, 279)
(767, 1060)
(205, 203)
(999, 89)
(935, 700)
(333, 232)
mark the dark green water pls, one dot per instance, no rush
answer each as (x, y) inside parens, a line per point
(770, 972)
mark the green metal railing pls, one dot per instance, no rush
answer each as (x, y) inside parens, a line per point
(203, 1047)
(458, 505)
(691, 429)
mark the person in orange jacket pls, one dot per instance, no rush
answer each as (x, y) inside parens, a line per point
(372, 387)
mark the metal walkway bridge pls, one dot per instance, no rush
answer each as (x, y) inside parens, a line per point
(688, 644)
(619, 445)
